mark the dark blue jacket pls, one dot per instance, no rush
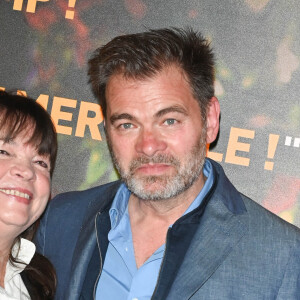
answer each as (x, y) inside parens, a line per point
(228, 248)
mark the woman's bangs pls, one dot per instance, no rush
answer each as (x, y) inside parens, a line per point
(14, 123)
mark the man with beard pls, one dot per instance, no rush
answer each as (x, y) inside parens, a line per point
(174, 227)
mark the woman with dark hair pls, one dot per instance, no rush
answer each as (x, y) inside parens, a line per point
(28, 146)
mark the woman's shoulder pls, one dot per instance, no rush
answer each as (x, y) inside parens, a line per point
(39, 278)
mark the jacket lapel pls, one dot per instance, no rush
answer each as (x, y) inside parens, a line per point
(86, 242)
(221, 227)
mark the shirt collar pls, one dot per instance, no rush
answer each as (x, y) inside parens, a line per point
(209, 174)
(23, 254)
(120, 203)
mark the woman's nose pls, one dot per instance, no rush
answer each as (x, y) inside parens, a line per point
(23, 170)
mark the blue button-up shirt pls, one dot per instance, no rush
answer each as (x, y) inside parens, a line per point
(120, 278)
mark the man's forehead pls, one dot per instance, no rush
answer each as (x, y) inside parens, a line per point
(167, 82)
(152, 96)
(141, 79)
(121, 80)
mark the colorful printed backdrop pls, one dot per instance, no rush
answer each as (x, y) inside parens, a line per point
(45, 44)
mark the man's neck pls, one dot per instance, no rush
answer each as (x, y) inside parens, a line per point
(150, 220)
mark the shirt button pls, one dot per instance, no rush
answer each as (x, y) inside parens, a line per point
(135, 299)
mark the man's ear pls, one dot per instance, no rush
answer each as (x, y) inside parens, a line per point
(212, 120)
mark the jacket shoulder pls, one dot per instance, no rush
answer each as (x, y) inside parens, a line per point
(264, 222)
(83, 198)
(68, 211)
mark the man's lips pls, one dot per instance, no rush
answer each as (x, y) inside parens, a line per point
(153, 168)
(20, 194)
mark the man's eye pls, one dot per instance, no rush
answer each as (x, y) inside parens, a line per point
(170, 122)
(126, 125)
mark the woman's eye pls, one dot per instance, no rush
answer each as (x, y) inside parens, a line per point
(3, 152)
(42, 164)
(170, 122)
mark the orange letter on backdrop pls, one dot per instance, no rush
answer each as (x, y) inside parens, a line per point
(234, 145)
(92, 123)
(18, 5)
(213, 155)
(31, 5)
(43, 100)
(57, 114)
(22, 93)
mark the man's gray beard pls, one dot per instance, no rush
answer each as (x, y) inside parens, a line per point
(169, 186)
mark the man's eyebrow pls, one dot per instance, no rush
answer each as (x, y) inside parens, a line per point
(170, 109)
(126, 116)
(123, 116)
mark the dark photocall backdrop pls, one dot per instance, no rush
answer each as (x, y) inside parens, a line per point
(45, 44)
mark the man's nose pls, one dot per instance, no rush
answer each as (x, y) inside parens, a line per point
(23, 170)
(150, 142)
